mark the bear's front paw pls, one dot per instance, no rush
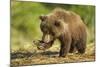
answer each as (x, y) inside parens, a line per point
(62, 56)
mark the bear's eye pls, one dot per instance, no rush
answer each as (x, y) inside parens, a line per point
(57, 23)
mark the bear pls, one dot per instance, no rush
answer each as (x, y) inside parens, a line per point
(67, 27)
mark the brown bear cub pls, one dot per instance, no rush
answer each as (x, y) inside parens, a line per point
(67, 27)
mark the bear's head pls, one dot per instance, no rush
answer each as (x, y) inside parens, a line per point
(52, 28)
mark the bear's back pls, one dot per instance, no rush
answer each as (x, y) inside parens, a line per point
(67, 16)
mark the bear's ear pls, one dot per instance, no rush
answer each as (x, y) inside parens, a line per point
(42, 17)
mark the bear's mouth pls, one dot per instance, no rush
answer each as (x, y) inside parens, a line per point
(44, 45)
(46, 42)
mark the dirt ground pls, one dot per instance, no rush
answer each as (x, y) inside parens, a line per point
(35, 57)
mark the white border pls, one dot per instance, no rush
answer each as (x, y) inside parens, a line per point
(82, 2)
(4, 33)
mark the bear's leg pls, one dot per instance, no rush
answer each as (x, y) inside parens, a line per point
(72, 48)
(64, 50)
(65, 45)
(81, 47)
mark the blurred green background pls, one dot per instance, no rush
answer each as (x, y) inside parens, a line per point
(25, 21)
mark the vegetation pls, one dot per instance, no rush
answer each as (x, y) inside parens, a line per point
(25, 27)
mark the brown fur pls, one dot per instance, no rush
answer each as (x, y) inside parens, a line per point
(71, 31)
